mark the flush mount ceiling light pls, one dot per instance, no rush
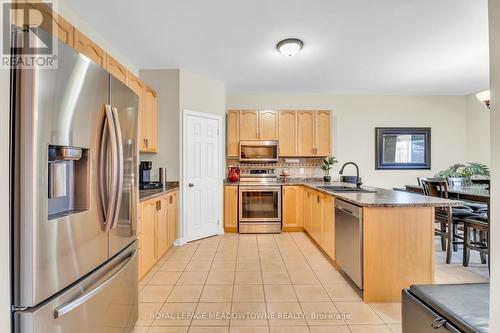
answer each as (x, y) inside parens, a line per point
(484, 96)
(290, 46)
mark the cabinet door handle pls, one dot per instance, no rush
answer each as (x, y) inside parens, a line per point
(158, 205)
(317, 199)
(171, 199)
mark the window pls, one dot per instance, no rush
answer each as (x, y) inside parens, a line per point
(402, 148)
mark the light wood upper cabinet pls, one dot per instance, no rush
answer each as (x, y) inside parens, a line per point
(249, 125)
(149, 121)
(136, 84)
(305, 133)
(268, 125)
(301, 133)
(231, 208)
(116, 69)
(323, 133)
(258, 125)
(147, 238)
(287, 133)
(49, 21)
(87, 47)
(232, 133)
(292, 207)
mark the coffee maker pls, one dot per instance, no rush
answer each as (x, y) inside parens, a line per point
(145, 182)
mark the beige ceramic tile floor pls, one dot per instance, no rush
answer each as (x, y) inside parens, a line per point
(265, 283)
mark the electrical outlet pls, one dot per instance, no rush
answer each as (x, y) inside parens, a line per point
(301, 171)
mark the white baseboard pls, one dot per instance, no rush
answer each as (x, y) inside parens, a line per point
(179, 242)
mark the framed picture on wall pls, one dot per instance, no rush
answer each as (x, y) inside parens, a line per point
(406, 148)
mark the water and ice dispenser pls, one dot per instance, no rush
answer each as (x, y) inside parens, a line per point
(68, 180)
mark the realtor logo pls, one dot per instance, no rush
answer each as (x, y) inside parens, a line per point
(27, 39)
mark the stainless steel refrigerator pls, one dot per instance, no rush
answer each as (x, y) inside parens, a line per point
(74, 167)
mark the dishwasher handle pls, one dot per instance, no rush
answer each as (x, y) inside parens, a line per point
(346, 211)
(349, 208)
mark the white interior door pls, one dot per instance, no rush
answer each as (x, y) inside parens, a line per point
(201, 175)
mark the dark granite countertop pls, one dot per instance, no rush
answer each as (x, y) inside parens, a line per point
(378, 198)
(151, 194)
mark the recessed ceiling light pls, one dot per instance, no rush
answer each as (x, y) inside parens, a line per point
(290, 46)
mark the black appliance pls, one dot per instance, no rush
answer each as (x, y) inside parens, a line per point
(446, 308)
(145, 182)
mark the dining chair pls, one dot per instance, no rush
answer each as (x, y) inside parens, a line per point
(476, 207)
(479, 225)
(447, 217)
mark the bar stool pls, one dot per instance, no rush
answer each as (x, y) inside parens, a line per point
(448, 217)
(481, 225)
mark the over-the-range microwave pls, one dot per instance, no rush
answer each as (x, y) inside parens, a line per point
(259, 151)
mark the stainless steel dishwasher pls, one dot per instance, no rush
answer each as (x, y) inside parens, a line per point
(349, 240)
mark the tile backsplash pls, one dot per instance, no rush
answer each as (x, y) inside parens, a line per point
(297, 167)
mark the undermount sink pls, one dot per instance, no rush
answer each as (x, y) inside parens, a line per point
(345, 189)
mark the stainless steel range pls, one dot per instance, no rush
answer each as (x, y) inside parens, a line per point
(259, 201)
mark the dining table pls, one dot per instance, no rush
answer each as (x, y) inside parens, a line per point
(473, 193)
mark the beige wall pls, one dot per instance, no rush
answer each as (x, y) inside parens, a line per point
(166, 83)
(180, 90)
(478, 133)
(355, 119)
(494, 13)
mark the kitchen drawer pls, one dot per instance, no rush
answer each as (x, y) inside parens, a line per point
(102, 302)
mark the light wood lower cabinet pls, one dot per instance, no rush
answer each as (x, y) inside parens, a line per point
(172, 217)
(147, 237)
(158, 224)
(307, 198)
(292, 203)
(319, 219)
(328, 225)
(316, 216)
(231, 208)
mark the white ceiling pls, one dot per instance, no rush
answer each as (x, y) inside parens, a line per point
(351, 46)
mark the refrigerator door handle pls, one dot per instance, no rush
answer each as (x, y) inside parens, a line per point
(119, 153)
(71, 305)
(106, 171)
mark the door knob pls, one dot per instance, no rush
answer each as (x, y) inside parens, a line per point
(191, 185)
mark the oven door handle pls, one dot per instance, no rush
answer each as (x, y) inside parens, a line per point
(260, 188)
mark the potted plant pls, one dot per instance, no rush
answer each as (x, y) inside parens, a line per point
(463, 173)
(327, 166)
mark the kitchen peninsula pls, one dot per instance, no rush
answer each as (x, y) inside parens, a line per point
(397, 230)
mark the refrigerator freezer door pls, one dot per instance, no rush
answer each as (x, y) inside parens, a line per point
(60, 107)
(103, 302)
(125, 106)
